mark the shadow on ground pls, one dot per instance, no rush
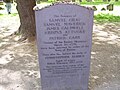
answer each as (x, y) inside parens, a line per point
(105, 69)
(19, 66)
(19, 61)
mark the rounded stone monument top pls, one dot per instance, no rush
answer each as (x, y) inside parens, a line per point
(36, 8)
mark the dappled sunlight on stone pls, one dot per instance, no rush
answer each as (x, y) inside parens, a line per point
(102, 33)
(111, 42)
(15, 80)
(95, 77)
(96, 42)
(92, 57)
(112, 85)
(105, 57)
(23, 54)
(31, 64)
(113, 37)
(6, 59)
(108, 33)
(9, 80)
(9, 25)
(6, 39)
(31, 73)
(93, 52)
(16, 57)
(17, 38)
(101, 38)
(24, 47)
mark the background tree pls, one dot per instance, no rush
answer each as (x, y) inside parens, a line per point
(27, 18)
(73, 0)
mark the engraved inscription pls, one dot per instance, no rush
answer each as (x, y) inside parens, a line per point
(65, 43)
(64, 33)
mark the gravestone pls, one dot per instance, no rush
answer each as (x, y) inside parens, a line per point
(94, 8)
(110, 7)
(64, 37)
(103, 9)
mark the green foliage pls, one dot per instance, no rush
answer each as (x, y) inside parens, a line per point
(93, 3)
(117, 3)
(84, 2)
(1, 3)
(2, 16)
(100, 2)
(14, 14)
(103, 18)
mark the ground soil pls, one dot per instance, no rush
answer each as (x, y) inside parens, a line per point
(19, 60)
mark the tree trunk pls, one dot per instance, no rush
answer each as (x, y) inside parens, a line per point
(27, 18)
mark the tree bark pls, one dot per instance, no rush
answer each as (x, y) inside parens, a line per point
(27, 18)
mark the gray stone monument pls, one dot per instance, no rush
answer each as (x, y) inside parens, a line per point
(64, 37)
(110, 7)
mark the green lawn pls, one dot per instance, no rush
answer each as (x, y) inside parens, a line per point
(93, 3)
(100, 3)
(103, 18)
(96, 2)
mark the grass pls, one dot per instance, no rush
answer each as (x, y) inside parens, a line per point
(103, 18)
(117, 3)
(100, 18)
(100, 3)
(93, 3)
(2, 16)
(84, 2)
(12, 14)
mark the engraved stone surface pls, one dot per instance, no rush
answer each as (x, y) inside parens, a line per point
(64, 37)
